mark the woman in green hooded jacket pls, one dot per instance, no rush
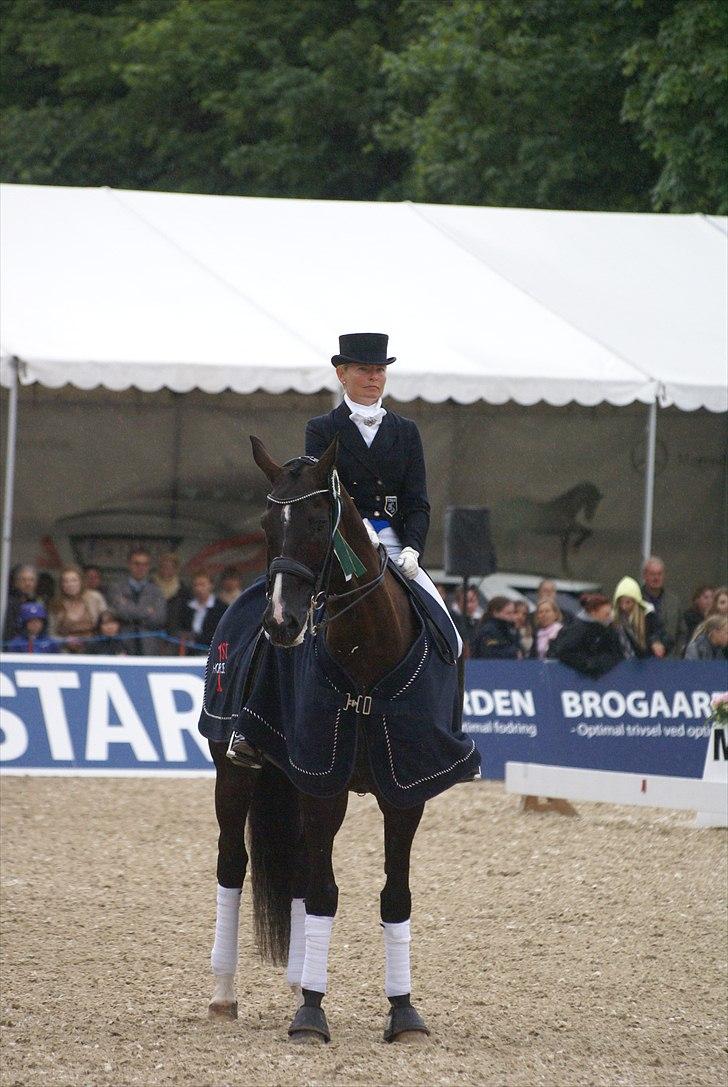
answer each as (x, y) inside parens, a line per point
(637, 625)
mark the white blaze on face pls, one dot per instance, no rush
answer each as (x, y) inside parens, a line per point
(276, 596)
(276, 600)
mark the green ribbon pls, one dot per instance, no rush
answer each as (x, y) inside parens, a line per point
(349, 561)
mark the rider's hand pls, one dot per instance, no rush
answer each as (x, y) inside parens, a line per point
(408, 563)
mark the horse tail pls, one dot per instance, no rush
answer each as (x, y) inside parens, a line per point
(273, 825)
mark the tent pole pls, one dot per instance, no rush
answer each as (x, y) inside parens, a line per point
(649, 482)
(7, 532)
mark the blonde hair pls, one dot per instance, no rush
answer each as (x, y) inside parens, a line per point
(712, 623)
(56, 603)
(635, 621)
(169, 556)
(722, 590)
(549, 602)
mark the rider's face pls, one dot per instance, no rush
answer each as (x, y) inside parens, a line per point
(362, 384)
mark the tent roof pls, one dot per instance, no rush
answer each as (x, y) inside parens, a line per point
(152, 290)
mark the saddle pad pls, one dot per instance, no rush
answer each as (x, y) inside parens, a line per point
(301, 709)
(435, 617)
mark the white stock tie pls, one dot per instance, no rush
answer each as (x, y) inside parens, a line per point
(373, 417)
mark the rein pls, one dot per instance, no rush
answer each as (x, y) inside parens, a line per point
(338, 548)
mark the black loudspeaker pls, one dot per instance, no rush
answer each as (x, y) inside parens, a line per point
(469, 549)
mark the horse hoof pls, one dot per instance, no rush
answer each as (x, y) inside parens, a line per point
(411, 1037)
(223, 1010)
(306, 1037)
(405, 1024)
(309, 1026)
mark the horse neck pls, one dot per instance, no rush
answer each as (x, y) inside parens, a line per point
(375, 634)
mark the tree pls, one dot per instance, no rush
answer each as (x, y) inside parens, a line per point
(679, 101)
(236, 96)
(519, 103)
(604, 104)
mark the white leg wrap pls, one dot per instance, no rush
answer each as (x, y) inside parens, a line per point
(224, 957)
(297, 944)
(315, 964)
(397, 979)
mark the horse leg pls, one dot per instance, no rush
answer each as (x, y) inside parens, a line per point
(321, 822)
(297, 943)
(404, 1023)
(565, 541)
(233, 790)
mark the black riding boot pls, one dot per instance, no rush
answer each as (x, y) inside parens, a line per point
(243, 754)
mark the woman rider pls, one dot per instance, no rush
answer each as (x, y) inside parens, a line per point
(379, 459)
(381, 464)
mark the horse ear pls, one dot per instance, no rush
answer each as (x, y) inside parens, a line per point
(327, 460)
(263, 459)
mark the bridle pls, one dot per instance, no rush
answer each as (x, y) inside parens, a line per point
(338, 549)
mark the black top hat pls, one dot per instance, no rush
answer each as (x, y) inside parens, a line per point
(365, 348)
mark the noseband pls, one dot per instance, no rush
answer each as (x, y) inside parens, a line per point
(337, 548)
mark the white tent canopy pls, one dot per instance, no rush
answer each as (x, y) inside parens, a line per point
(153, 290)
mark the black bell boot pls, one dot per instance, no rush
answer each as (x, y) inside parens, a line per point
(403, 1018)
(309, 1023)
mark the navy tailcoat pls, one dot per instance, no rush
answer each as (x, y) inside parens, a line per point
(386, 480)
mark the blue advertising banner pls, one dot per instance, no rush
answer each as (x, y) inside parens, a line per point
(642, 717)
(99, 714)
(116, 715)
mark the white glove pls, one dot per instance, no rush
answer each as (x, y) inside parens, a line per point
(408, 563)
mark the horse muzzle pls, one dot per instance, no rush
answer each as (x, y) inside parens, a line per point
(286, 632)
(290, 585)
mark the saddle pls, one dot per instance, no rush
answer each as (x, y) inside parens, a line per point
(436, 623)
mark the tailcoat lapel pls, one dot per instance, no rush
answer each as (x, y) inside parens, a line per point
(386, 437)
(350, 437)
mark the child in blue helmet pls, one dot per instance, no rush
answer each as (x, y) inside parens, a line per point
(33, 639)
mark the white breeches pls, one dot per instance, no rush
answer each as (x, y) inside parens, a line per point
(390, 540)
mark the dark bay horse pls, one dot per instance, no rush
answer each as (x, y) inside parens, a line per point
(369, 627)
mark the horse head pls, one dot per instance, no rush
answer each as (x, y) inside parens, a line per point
(299, 525)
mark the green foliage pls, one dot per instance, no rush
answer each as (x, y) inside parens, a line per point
(222, 96)
(607, 104)
(518, 103)
(680, 103)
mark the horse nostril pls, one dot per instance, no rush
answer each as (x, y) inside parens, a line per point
(283, 631)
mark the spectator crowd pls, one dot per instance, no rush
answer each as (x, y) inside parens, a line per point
(638, 621)
(158, 612)
(143, 613)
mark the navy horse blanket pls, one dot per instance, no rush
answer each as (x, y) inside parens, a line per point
(302, 710)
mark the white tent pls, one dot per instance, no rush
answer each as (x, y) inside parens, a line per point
(158, 290)
(145, 289)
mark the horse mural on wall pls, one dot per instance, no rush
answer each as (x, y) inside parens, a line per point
(518, 518)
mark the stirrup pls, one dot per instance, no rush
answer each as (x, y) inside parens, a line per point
(243, 754)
